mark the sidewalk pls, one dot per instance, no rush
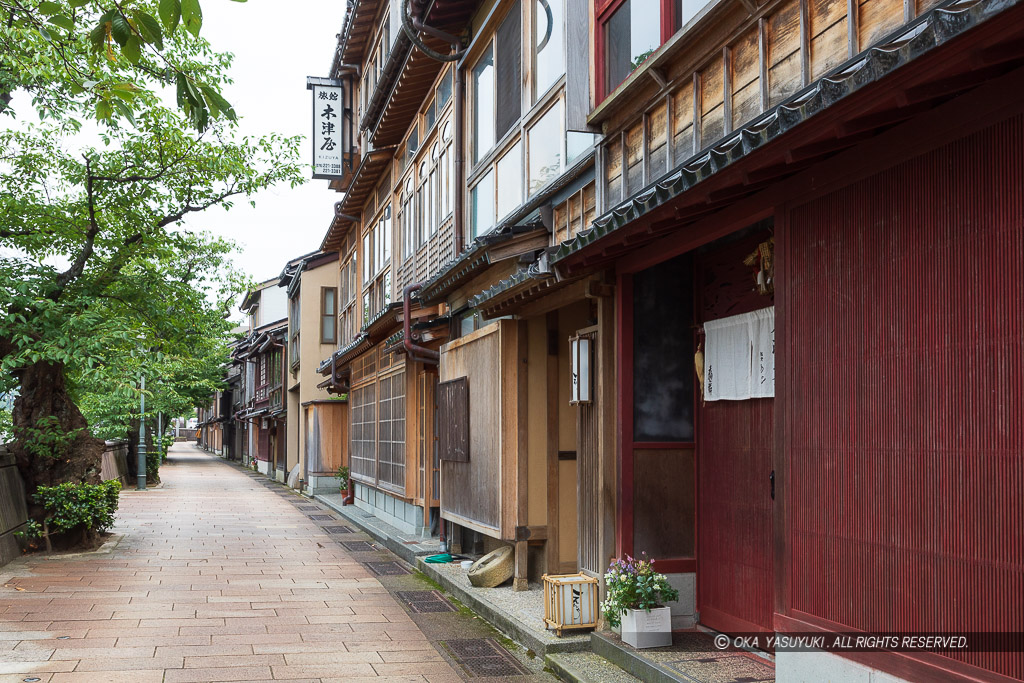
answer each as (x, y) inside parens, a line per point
(221, 575)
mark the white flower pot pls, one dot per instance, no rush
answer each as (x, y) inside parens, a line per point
(643, 629)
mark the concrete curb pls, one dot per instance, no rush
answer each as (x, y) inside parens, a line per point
(400, 549)
(510, 626)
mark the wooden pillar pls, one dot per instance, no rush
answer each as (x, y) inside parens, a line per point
(520, 582)
(607, 437)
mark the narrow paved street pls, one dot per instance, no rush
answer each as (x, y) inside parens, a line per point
(220, 575)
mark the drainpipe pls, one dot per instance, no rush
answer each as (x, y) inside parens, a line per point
(460, 164)
(417, 353)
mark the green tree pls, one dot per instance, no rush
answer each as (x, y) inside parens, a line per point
(97, 174)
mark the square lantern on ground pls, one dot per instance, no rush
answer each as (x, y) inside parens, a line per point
(570, 601)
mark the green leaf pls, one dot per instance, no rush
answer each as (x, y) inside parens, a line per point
(44, 33)
(124, 110)
(103, 110)
(192, 15)
(120, 29)
(48, 8)
(149, 27)
(98, 35)
(218, 103)
(132, 49)
(170, 14)
(63, 22)
(78, 3)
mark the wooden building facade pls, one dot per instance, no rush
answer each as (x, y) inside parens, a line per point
(849, 172)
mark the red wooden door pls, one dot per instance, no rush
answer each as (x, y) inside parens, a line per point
(734, 557)
(735, 442)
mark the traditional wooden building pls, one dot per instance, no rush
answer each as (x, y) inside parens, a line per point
(828, 190)
(826, 167)
(262, 355)
(315, 427)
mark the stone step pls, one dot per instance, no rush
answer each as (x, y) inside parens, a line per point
(610, 648)
(586, 667)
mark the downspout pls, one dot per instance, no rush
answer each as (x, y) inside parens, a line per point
(417, 353)
(460, 170)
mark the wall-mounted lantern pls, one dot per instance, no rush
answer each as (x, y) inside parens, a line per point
(580, 353)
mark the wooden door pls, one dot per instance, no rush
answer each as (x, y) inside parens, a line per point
(734, 473)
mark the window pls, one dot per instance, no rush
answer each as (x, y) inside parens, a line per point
(445, 165)
(444, 90)
(379, 57)
(328, 315)
(363, 410)
(413, 144)
(548, 44)
(376, 266)
(633, 29)
(391, 432)
(510, 180)
(483, 105)
(293, 330)
(429, 118)
(407, 220)
(545, 140)
(482, 201)
(496, 86)
(426, 205)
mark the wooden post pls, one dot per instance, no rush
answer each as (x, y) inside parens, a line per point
(520, 581)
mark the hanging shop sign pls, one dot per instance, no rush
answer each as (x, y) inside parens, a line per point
(332, 127)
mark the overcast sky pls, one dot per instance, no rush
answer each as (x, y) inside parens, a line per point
(276, 45)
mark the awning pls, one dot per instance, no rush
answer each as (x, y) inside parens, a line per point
(364, 181)
(482, 252)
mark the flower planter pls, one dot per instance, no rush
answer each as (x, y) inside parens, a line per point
(643, 629)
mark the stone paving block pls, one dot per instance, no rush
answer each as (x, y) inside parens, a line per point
(138, 676)
(195, 592)
(231, 673)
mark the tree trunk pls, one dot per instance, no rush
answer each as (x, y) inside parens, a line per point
(44, 395)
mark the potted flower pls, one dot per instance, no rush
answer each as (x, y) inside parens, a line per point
(342, 476)
(635, 602)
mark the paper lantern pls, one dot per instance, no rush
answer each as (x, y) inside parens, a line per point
(570, 601)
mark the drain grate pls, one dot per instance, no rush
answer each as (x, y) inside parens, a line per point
(322, 518)
(358, 546)
(387, 568)
(338, 530)
(424, 602)
(484, 657)
(308, 508)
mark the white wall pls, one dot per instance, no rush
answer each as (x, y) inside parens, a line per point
(273, 305)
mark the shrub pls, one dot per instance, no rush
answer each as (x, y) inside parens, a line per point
(633, 584)
(88, 508)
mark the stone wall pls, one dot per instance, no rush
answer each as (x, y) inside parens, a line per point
(13, 513)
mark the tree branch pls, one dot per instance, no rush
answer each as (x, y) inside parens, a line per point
(78, 266)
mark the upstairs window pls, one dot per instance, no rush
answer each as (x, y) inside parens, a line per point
(328, 315)
(495, 83)
(631, 30)
(548, 44)
(632, 33)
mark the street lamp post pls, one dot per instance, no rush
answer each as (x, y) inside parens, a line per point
(142, 436)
